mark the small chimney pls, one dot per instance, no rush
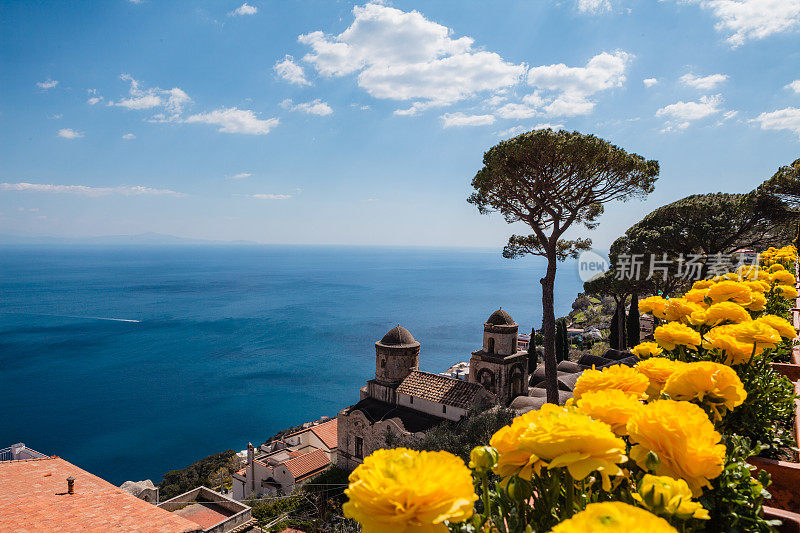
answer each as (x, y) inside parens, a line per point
(70, 485)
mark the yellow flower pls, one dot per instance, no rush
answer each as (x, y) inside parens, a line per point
(758, 302)
(682, 438)
(755, 332)
(781, 325)
(787, 291)
(612, 406)
(721, 312)
(646, 349)
(654, 305)
(729, 290)
(757, 285)
(712, 384)
(696, 296)
(554, 437)
(702, 284)
(679, 309)
(776, 267)
(482, 458)
(665, 495)
(657, 370)
(409, 491)
(736, 352)
(674, 333)
(613, 517)
(620, 377)
(784, 277)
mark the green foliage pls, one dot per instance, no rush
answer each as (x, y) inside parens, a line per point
(202, 472)
(562, 342)
(460, 437)
(778, 199)
(735, 501)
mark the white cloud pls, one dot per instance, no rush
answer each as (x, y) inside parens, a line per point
(172, 101)
(400, 55)
(526, 109)
(450, 120)
(649, 82)
(704, 83)
(69, 133)
(516, 130)
(242, 10)
(573, 85)
(749, 20)
(593, 7)
(795, 86)
(94, 100)
(85, 190)
(47, 84)
(129, 136)
(270, 196)
(781, 119)
(314, 107)
(681, 114)
(291, 71)
(235, 120)
(241, 175)
(55, 116)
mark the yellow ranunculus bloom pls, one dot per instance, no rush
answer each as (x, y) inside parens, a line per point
(682, 438)
(712, 384)
(620, 377)
(758, 302)
(673, 334)
(757, 285)
(614, 517)
(787, 291)
(657, 370)
(679, 309)
(736, 352)
(653, 305)
(646, 349)
(665, 495)
(784, 277)
(696, 296)
(719, 313)
(779, 324)
(776, 267)
(612, 406)
(554, 437)
(702, 284)
(729, 290)
(409, 491)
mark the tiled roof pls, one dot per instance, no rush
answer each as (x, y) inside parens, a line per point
(440, 389)
(33, 497)
(327, 434)
(309, 463)
(376, 410)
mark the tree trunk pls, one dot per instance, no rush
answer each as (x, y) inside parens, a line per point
(549, 328)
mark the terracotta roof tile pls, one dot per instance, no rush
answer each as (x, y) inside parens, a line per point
(440, 389)
(309, 463)
(33, 498)
(327, 434)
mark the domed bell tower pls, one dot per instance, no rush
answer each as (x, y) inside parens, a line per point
(499, 365)
(396, 356)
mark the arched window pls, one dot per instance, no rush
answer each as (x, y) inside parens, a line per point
(490, 345)
(383, 363)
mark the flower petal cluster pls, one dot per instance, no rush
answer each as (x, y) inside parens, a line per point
(614, 517)
(714, 385)
(645, 350)
(665, 495)
(673, 334)
(612, 406)
(735, 291)
(784, 328)
(621, 377)
(682, 438)
(409, 491)
(657, 370)
(728, 312)
(556, 436)
(679, 309)
(653, 305)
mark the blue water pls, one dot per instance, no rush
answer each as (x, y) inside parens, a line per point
(230, 344)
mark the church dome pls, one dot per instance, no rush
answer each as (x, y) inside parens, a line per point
(398, 336)
(501, 318)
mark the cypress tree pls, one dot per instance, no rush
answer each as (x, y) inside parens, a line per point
(613, 331)
(633, 322)
(533, 357)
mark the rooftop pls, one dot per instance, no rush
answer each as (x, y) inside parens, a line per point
(501, 318)
(33, 497)
(398, 337)
(308, 464)
(440, 389)
(413, 421)
(327, 433)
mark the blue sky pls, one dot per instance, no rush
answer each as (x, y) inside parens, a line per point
(342, 123)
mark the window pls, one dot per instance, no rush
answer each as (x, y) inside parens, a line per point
(410, 399)
(359, 448)
(383, 363)
(444, 408)
(490, 345)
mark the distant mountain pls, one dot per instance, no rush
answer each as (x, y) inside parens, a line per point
(142, 238)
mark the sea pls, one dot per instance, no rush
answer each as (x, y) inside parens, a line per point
(130, 361)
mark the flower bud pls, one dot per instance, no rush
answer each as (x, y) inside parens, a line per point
(518, 489)
(483, 458)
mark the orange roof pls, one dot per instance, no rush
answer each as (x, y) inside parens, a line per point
(327, 433)
(310, 463)
(33, 497)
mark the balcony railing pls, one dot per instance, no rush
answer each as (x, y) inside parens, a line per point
(19, 451)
